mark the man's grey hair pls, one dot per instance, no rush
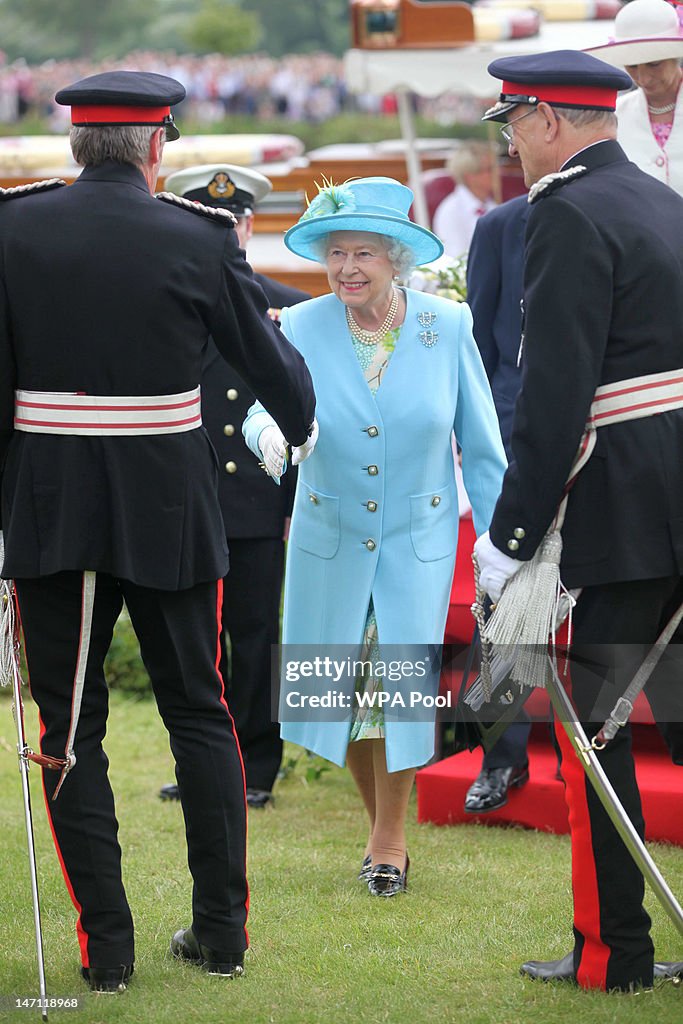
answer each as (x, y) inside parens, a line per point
(468, 158)
(606, 119)
(125, 144)
(401, 256)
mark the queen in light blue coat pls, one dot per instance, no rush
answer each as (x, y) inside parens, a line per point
(375, 522)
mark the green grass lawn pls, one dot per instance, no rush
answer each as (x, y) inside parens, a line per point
(322, 950)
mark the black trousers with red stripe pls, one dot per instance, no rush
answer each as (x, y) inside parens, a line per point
(614, 626)
(178, 634)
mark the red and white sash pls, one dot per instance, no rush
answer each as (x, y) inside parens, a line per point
(632, 399)
(52, 412)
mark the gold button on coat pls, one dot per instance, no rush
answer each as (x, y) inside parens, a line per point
(371, 506)
(228, 430)
(373, 470)
(513, 545)
(231, 467)
(436, 500)
(313, 498)
(519, 533)
(370, 545)
(232, 394)
(373, 431)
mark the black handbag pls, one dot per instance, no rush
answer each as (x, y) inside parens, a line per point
(478, 722)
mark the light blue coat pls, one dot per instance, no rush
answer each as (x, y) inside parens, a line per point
(425, 394)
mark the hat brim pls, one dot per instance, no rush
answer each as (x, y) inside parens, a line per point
(172, 132)
(500, 110)
(638, 51)
(301, 238)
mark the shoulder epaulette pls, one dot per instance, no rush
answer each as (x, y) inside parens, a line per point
(550, 182)
(27, 190)
(213, 212)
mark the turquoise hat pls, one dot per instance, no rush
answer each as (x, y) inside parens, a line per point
(366, 204)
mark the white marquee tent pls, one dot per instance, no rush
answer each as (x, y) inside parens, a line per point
(459, 69)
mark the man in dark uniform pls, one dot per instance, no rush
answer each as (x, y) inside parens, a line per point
(255, 514)
(604, 305)
(109, 493)
(495, 269)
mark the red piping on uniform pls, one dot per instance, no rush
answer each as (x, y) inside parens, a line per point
(80, 930)
(592, 969)
(107, 426)
(678, 379)
(78, 406)
(219, 619)
(631, 408)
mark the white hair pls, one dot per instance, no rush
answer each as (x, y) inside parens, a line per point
(582, 118)
(400, 255)
(125, 144)
(468, 158)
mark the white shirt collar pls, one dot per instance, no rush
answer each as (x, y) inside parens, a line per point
(583, 150)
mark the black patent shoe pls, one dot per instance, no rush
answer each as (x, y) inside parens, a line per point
(258, 797)
(169, 792)
(563, 970)
(387, 880)
(550, 970)
(108, 979)
(184, 946)
(489, 791)
(365, 869)
(669, 970)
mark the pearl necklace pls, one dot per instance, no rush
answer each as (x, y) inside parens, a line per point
(372, 337)
(662, 110)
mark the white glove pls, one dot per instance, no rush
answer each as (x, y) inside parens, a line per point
(302, 451)
(273, 447)
(495, 568)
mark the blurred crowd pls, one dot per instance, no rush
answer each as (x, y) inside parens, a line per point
(298, 87)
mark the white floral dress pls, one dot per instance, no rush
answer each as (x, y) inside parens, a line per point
(368, 721)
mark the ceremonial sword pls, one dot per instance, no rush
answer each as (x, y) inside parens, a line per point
(586, 752)
(9, 669)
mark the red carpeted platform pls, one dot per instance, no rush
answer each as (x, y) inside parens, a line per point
(540, 804)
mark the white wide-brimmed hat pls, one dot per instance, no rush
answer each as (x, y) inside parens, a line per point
(644, 31)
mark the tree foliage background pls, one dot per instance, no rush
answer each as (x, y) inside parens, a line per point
(39, 30)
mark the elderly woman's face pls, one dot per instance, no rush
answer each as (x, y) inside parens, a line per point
(658, 79)
(358, 268)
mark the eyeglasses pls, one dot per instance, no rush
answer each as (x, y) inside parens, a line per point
(507, 131)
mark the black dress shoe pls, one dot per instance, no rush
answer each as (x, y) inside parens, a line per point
(184, 946)
(387, 880)
(563, 970)
(170, 792)
(669, 970)
(489, 791)
(258, 797)
(108, 979)
(550, 970)
(365, 869)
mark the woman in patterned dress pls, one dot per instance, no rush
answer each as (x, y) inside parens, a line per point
(375, 522)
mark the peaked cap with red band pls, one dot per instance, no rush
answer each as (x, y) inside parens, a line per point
(563, 78)
(123, 98)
